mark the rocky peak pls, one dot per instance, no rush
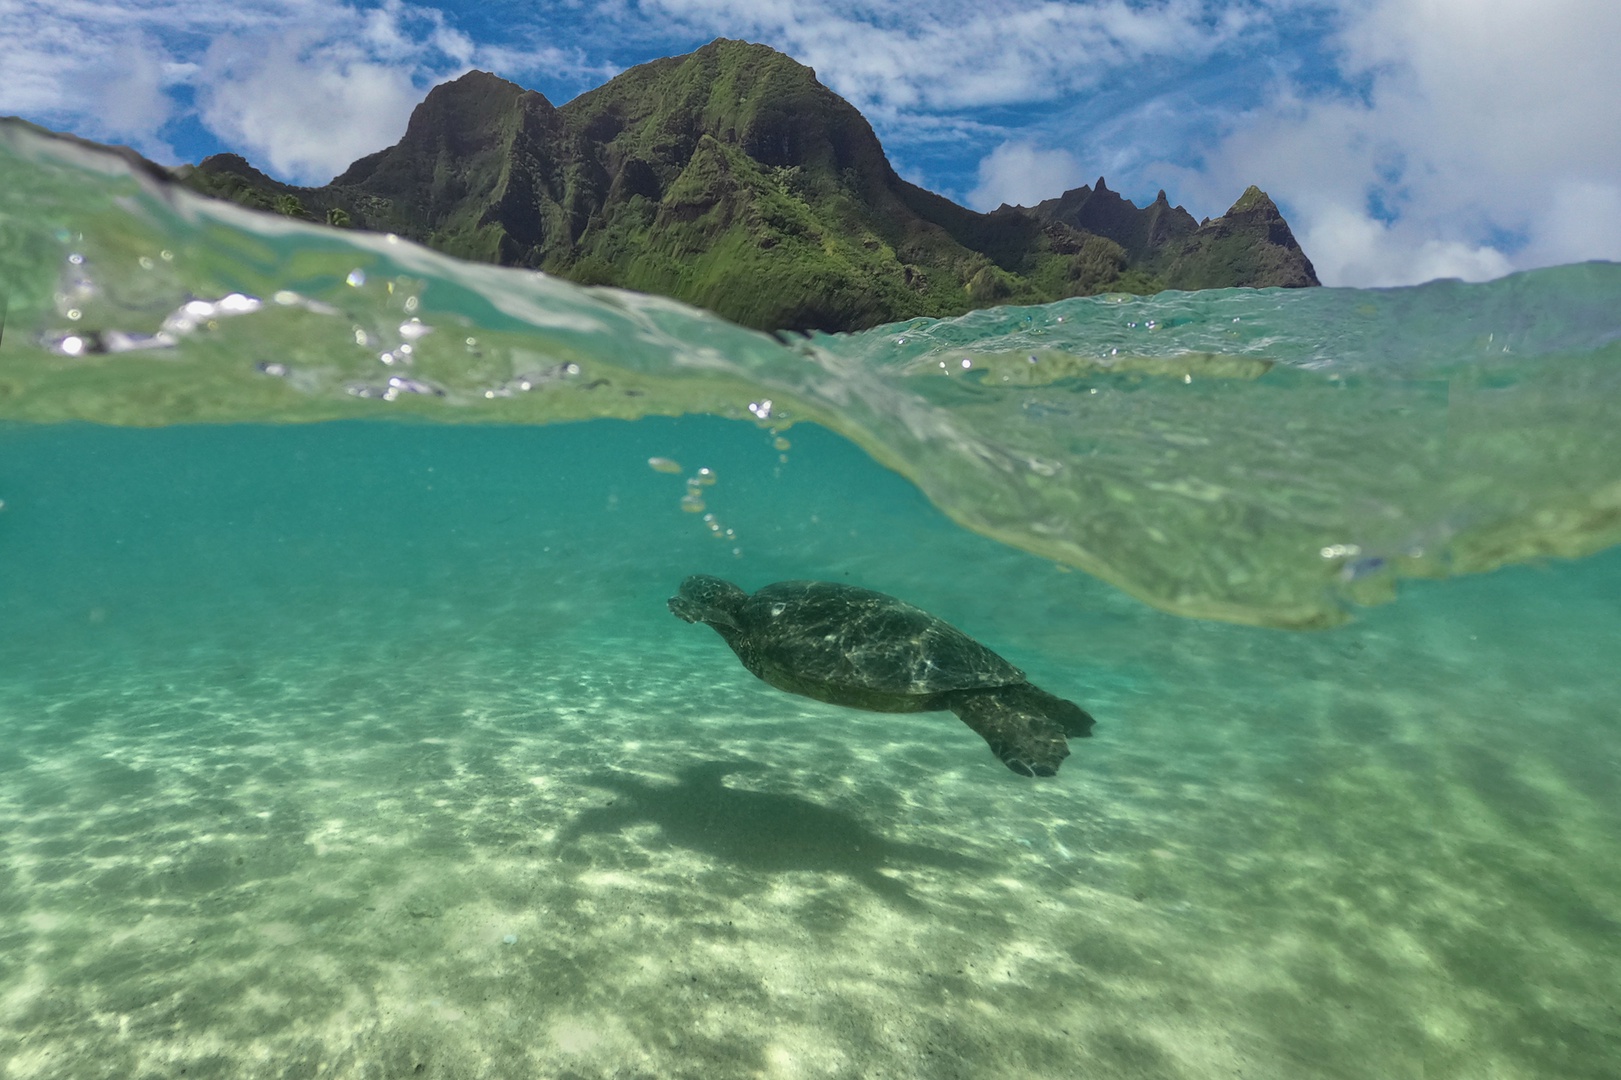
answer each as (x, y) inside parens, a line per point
(1254, 204)
(236, 165)
(461, 120)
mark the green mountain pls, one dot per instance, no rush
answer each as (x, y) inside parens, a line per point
(731, 179)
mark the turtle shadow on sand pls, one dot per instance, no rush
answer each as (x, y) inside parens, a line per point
(759, 831)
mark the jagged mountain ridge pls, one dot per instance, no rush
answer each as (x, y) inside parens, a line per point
(731, 179)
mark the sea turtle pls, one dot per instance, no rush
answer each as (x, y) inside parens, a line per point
(850, 646)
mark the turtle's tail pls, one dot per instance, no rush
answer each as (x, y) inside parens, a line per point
(1026, 727)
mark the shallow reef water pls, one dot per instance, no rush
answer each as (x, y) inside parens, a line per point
(344, 729)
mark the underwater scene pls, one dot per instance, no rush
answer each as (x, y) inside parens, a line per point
(346, 729)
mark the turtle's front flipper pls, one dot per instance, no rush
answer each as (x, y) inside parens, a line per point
(1026, 727)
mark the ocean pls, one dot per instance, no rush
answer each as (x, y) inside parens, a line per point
(345, 731)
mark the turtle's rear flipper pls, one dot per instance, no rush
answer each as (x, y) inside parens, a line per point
(1025, 726)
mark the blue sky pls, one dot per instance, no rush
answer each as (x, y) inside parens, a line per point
(1404, 139)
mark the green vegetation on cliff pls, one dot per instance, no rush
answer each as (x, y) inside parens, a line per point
(731, 179)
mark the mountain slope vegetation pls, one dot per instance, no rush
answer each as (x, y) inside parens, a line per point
(731, 179)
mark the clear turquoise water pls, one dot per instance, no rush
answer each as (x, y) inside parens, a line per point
(368, 748)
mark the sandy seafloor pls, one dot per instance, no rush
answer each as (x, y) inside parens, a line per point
(372, 751)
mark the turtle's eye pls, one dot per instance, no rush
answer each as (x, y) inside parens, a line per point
(778, 609)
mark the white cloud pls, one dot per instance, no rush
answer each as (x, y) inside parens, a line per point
(1348, 245)
(306, 102)
(132, 96)
(95, 69)
(1577, 221)
(1485, 142)
(1022, 174)
(955, 54)
(303, 87)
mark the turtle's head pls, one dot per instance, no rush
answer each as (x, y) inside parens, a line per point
(706, 599)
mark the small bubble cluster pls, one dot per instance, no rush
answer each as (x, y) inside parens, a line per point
(394, 346)
(394, 389)
(188, 318)
(534, 380)
(781, 445)
(692, 501)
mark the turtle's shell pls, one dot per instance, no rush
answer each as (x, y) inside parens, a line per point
(855, 646)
